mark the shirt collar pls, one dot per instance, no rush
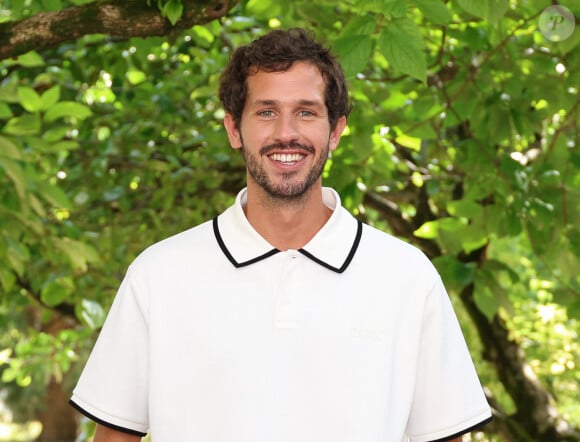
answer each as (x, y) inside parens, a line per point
(333, 247)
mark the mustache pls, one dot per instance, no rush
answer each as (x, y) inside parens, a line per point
(282, 146)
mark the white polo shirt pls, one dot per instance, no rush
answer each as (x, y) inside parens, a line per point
(215, 336)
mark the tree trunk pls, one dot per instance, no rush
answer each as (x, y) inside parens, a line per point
(59, 420)
(536, 418)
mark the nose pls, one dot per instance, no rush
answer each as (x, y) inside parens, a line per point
(286, 128)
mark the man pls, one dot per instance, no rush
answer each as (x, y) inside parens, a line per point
(284, 319)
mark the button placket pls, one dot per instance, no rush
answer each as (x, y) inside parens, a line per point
(285, 303)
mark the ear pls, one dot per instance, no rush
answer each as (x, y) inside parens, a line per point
(336, 133)
(234, 135)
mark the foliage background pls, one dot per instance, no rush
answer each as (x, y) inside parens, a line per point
(463, 140)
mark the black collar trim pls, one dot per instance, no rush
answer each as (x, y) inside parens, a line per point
(237, 264)
(348, 259)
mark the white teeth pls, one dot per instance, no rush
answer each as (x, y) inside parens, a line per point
(287, 157)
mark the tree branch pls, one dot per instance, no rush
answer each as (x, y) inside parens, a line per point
(117, 18)
(398, 224)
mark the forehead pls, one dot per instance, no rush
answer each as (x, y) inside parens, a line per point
(302, 80)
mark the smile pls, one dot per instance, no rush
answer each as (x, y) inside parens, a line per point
(286, 157)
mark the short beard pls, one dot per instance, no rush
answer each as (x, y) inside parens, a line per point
(288, 190)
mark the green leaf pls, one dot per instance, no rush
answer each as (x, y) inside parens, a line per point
(17, 255)
(91, 313)
(354, 53)
(28, 124)
(14, 171)
(264, 9)
(7, 280)
(455, 274)
(65, 109)
(50, 97)
(79, 254)
(202, 36)
(485, 300)
(135, 76)
(55, 134)
(402, 44)
(29, 99)
(413, 143)
(56, 291)
(173, 10)
(5, 356)
(360, 25)
(32, 222)
(431, 229)
(477, 8)
(434, 10)
(9, 150)
(574, 310)
(464, 208)
(51, 5)
(30, 60)
(380, 6)
(490, 10)
(65, 145)
(55, 196)
(9, 374)
(496, 10)
(5, 111)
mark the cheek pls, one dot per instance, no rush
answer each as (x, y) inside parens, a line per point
(256, 137)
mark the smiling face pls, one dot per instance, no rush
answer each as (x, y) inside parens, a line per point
(284, 132)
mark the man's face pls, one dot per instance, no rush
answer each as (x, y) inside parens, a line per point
(284, 132)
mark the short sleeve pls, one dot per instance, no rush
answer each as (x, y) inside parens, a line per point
(112, 389)
(448, 399)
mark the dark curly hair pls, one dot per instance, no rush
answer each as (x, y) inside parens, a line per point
(277, 51)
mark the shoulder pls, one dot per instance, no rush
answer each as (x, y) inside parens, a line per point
(385, 244)
(395, 257)
(177, 247)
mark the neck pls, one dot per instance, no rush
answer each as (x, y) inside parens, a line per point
(287, 224)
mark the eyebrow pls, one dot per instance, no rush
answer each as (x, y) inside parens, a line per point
(302, 102)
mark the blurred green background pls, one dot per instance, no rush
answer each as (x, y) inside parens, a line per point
(463, 140)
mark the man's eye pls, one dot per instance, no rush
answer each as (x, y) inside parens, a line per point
(266, 113)
(306, 113)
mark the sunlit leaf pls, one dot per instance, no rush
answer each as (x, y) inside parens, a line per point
(263, 8)
(56, 290)
(9, 150)
(5, 111)
(354, 52)
(7, 280)
(431, 229)
(28, 124)
(402, 44)
(65, 109)
(203, 35)
(486, 301)
(135, 77)
(16, 174)
(29, 99)
(79, 253)
(173, 10)
(55, 196)
(434, 10)
(30, 59)
(50, 97)
(91, 313)
(455, 274)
